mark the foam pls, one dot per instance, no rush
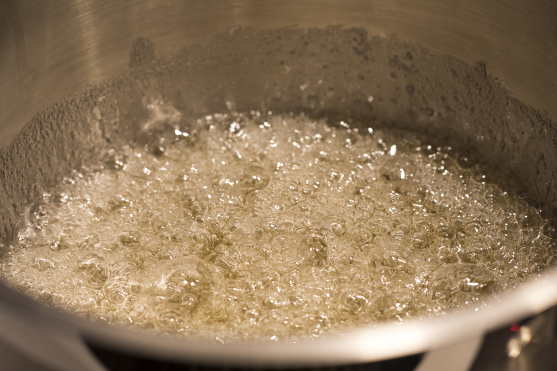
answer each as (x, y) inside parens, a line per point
(275, 228)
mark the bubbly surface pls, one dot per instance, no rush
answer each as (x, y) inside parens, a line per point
(274, 228)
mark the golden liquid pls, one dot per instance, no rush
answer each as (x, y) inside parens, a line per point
(271, 228)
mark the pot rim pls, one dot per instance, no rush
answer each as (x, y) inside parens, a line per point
(365, 344)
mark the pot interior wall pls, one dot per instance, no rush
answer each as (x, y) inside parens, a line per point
(334, 72)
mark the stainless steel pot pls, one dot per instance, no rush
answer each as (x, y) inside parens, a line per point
(69, 88)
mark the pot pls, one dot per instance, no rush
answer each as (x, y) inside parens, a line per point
(78, 77)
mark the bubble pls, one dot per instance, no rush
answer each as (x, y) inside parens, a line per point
(314, 250)
(116, 289)
(549, 229)
(420, 240)
(274, 331)
(181, 282)
(157, 148)
(141, 315)
(354, 301)
(338, 228)
(184, 232)
(396, 305)
(63, 242)
(274, 300)
(94, 268)
(227, 261)
(529, 219)
(473, 252)
(129, 302)
(447, 251)
(253, 178)
(433, 205)
(473, 228)
(42, 263)
(366, 247)
(191, 202)
(466, 280)
(268, 277)
(221, 310)
(286, 241)
(250, 312)
(391, 256)
(168, 252)
(237, 288)
(118, 202)
(362, 235)
(129, 238)
(295, 198)
(410, 188)
(171, 318)
(495, 197)
(114, 160)
(100, 315)
(398, 169)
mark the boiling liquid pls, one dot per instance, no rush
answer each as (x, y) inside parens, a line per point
(271, 228)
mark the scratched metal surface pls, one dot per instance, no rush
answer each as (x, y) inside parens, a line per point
(49, 49)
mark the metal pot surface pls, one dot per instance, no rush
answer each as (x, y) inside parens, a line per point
(481, 74)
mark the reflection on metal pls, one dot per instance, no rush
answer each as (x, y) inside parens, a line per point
(458, 357)
(51, 49)
(539, 329)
